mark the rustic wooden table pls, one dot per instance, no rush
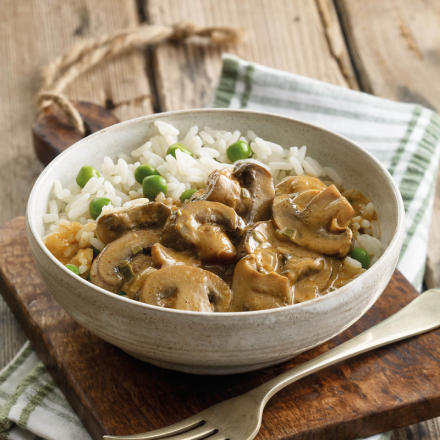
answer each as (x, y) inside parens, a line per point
(389, 48)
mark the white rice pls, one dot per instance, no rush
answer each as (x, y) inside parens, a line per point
(183, 172)
(352, 262)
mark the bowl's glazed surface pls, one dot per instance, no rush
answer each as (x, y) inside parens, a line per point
(220, 343)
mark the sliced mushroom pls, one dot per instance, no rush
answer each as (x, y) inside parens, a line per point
(170, 238)
(295, 184)
(186, 288)
(142, 269)
(165, 257)
(309, 277)
(308, 272)
(258, 236)
(259, 183)
(248, 189)
(221, 187)
(148, 215)
(96, 279)
(114, 265)
(141, 266)
(197, 195)
(254, 288)
(203, 225)
(223, 271)
(316, 220)
(263, 235)
(268, 260)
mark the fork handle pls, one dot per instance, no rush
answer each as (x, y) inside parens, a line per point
(420, 316)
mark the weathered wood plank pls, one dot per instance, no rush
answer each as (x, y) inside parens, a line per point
(31, 34)
(429, 430)
(395, 50)
(121, 83)
(395, 47)
(297, 36)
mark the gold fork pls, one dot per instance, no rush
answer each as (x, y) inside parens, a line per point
(240, 418)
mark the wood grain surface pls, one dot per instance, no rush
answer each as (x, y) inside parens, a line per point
(283, 34)
(393, 46)
(52, 133)
(393, 386)
(31, 34)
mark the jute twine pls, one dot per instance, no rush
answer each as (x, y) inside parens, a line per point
(85, 54)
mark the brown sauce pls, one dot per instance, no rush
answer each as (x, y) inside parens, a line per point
(239, 245)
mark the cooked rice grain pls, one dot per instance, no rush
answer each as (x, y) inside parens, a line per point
(117, 182)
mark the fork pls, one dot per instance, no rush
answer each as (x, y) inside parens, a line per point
(240, 418)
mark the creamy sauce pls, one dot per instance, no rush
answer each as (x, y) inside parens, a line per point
(310, 274)
(239, 245)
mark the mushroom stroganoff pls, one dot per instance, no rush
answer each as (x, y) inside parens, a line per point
(235, 243)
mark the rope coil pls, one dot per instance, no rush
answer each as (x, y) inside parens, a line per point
(84, 55)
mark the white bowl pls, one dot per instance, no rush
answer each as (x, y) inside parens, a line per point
(220, 343)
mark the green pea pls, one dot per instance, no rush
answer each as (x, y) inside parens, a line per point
(153, 185)
(182, 148)
(187, 194)
(85, 174)
(143, 171)
(238, 150)
(96, 206)
(73, 268)
(361, 255)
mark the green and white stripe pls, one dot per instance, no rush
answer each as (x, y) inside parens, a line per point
(404, 137)
(31, 405)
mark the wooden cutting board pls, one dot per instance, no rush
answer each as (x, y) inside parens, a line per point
(113, 393)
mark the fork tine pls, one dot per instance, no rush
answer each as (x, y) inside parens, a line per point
(218, 436)
(202, 432)
(178, 428)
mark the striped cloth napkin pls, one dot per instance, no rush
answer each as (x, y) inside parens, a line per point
(404, 137)
(31, 406)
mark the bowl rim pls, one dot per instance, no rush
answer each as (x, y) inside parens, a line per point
(397, 236)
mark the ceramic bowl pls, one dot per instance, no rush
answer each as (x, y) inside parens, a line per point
(220, 343)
